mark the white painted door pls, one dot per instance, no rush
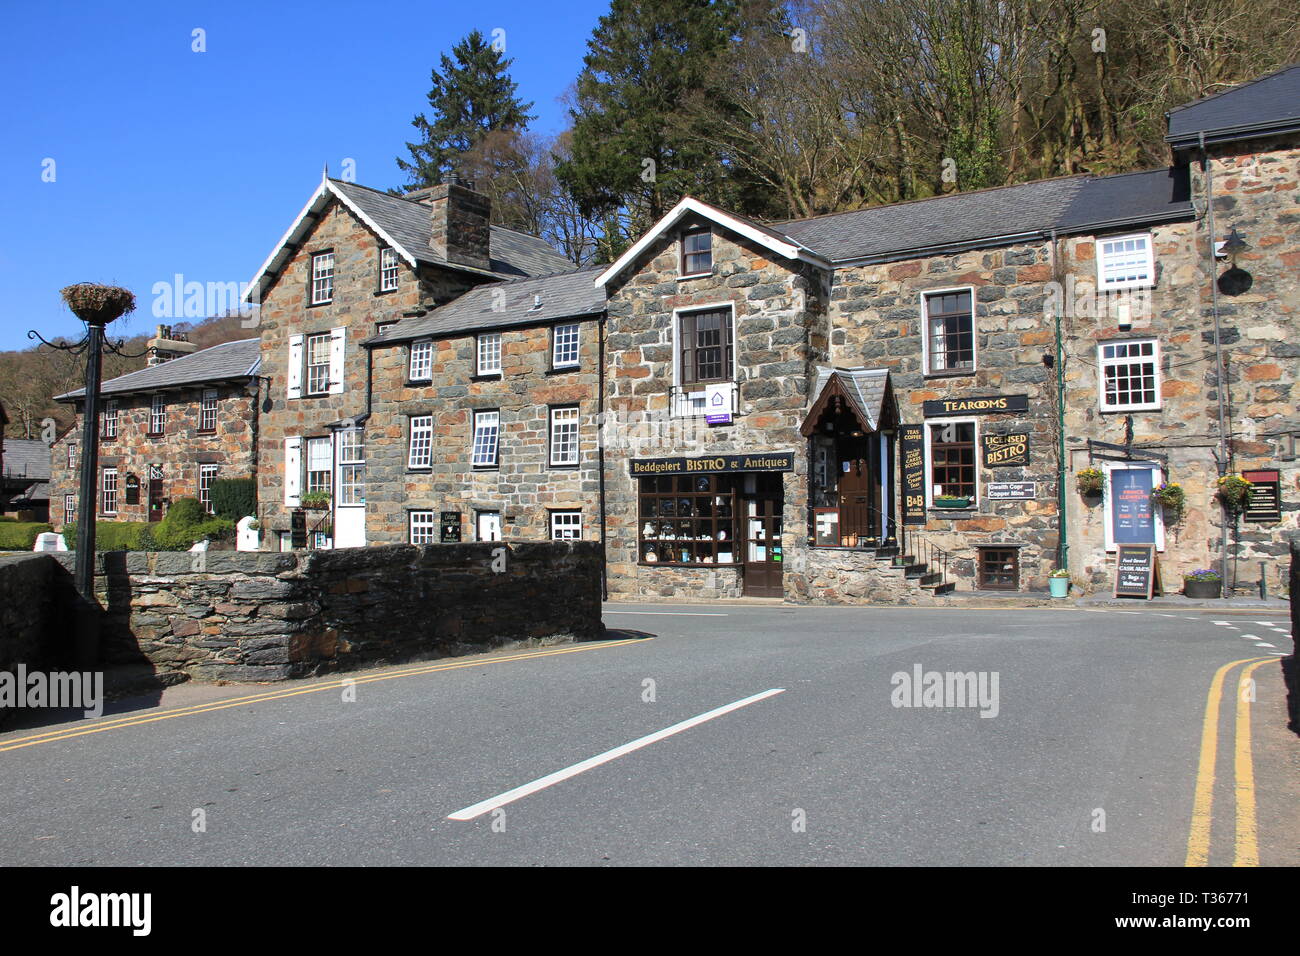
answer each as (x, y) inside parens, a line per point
(487, 526)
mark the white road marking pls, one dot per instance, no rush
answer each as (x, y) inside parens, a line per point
(510, 796)
(1227, 624)
(672, 613)
(1252, 637)
(1263, 644)
(1272, 623)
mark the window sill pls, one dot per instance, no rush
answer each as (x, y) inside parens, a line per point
(317, 305)
(561, 369)
(154, 434)
(953, 512)
(695, 275)
(485, 467)
(955, 373)
(689, 564)
(418, 383)
(489, 377)
(205, 431)
(567, 466)
(1130, 410)
(379, 292)
(419, 470)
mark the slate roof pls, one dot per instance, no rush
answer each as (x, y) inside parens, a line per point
(512, 254)
(995, 216)
(1263, 107)
(27, 458)
(866, 389)
(564, 295)
(219, 363)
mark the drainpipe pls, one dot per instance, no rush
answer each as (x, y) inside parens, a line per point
(600, 456)
(1225, 448)
(1062, 521)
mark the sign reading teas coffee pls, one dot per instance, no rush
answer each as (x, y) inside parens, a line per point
(715, 464)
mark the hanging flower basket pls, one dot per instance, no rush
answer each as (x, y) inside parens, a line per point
(1171, 498)
(98, 304)
(1235, 492)
(1090, 481)
(316, 501)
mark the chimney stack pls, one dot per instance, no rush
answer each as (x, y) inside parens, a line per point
(168, 344)
(459, 220)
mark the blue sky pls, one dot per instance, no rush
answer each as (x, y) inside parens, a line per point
(169, 161)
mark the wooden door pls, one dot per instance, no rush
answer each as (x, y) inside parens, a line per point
(155, 499)
(859, 491)
(764, 555)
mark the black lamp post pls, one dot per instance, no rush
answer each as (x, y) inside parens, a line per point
(97, 306)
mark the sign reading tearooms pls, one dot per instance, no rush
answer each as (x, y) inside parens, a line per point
(975, 405)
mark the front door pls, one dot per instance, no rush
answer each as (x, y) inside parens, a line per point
(487, 526)
(764, 554)
(155, 499)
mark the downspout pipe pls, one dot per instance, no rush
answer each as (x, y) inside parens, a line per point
(1062, 520)
(1225, 447)
(600, 456)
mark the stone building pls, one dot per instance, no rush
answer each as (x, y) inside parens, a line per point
(166, 432)
(354, 261)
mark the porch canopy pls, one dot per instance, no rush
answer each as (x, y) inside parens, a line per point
(851, 396)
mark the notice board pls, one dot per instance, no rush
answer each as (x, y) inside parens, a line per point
(1132, 515)
(912, 468)
(1136, 571)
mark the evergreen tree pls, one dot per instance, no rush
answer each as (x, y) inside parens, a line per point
(472, 99)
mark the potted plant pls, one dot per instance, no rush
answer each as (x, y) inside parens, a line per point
(1202, 583)
(1171, 498)
(1235, 492)
(316, 500)
(1090, 481)
(951, 501)
(1058, 582)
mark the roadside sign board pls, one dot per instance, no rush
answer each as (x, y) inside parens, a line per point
(1136, 571)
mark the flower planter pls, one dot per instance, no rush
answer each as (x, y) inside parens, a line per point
(1060, 587)
(952, 503)
(1202, 589)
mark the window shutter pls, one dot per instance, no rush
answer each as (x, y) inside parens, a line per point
(295, 366)
(292, 470)
(337, 338)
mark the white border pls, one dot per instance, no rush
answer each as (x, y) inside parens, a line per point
(929, 485)
(926, 372)
(1101, 377)
(1108, 519)
(1147, 283)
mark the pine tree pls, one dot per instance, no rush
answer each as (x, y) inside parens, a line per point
(472, 98)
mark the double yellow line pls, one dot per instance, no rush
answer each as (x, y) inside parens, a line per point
(118, 723)
(1247, 834)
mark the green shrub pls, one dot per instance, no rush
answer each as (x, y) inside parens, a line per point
(112, 535)
(234, 498)
(20, 535)
(185, 523)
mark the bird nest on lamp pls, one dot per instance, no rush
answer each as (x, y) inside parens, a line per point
(98, 304)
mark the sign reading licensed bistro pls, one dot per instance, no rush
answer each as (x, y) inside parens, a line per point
(979, 405)
(714, 464)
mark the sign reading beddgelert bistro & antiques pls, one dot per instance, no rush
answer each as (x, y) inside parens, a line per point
(979, 405)
(714, 464)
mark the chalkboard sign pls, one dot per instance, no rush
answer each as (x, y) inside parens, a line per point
(912, 465)
(450, 526)
(1001, 451)
(1266, 497)
(1132, 516)
(132, 489)
(1136, 571)
(298, 529)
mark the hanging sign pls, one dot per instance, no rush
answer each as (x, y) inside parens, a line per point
(717, 403)
(1136, 571)
(1132, 516)
(450, 521)
(979, 405)
(912, 466)
(132, 488)
(1001, 451)
(1266, 497)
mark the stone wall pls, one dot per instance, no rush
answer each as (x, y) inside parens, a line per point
(179, 451)
(35, 621)
(877, 319)
(780, 336)
(259, 616)
(524, 487)
(359, 307)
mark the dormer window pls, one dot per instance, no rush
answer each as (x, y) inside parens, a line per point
(697, 252)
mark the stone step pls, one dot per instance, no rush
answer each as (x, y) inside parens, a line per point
(929, 580)
(915, 570)
(945, 588)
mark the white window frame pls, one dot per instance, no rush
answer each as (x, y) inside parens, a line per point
(108, 491)
(690, 408)
(933, 423)
(322, 278)
(1108, 519)
(209, 472)
(69, 508)
(566, 520)
(423, 522)
(315, 484)
(419, 446)
(925, 331)
(421, 365)
(576, 345)
(388, 270)
(110, 418)
(208, 410)
(567, 418)
(487, 421)
(1104, 363)
(72, 454)
(351, 451)
(681, 262)
(488, 339)
(157, 414)
(312, 385)
(1134, 282)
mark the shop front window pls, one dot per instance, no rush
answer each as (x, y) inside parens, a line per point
(688, 519)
